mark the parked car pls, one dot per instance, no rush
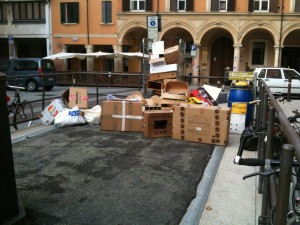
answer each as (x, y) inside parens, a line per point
(15, 68)
(277, 79)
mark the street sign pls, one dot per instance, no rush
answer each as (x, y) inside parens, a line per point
(152, 22)
(193, 50)
(10, 38)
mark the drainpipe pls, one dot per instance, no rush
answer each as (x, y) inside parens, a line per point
(87, 22)
(280, 34)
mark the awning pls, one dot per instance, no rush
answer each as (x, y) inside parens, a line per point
(67, 55)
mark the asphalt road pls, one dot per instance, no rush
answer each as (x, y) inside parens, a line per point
(82, 175)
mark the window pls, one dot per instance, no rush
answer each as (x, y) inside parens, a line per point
(137, 5)
(69, 12)
(106, 12)
(274, 74)
(297, 6)
(223, 5)
(29, 11)
(181, 5)
(261, 5)
(291, 74)
(258, 53)
(3, 12)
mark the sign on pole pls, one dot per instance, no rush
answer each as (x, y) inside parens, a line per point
(193, 50)
(152, 22)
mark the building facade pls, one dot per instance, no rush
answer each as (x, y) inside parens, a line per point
(223, 33)
(25, 28)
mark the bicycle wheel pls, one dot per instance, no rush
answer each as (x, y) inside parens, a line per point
(24, 113)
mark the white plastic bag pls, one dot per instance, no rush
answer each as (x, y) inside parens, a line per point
(69, 117)
(92, 116)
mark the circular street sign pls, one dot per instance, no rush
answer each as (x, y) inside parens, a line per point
(152, 23)
(10, 37)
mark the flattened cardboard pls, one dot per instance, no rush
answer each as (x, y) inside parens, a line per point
(49, 113)
(204, 124)
(162, 68)
(122, 116)
(162, 76)
(157, 123)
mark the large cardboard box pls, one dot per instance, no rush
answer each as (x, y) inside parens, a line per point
(176, 90)
(76, 96)
(171, 55)
(157, 123)
(49, 113)
(204, 124)
(122, 116)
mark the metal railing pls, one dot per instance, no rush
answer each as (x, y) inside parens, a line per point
(278, 198)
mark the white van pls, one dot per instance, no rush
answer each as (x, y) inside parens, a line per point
(277, 79)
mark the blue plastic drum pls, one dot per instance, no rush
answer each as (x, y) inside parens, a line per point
(242, 94)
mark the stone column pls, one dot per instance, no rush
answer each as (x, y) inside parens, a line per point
(277, 55)
(89, 61)
(196, 66)
(118, 67)
(236, 57)
(11, 47)
(64, 48)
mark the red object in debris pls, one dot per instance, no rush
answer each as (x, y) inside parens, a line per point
(202, 95)
(7, 98)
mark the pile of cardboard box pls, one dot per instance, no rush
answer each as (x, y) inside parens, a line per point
(182, 121)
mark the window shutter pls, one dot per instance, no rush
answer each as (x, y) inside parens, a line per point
(173, 5)
(126, 5)
(62, 13)
(189, 5)
(76, 12)
(250, 5)
(214, 5)
(149, 5)
(231, 6)
(274, 6)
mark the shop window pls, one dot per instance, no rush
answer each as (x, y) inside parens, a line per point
(69, 12)
(261, 5)
(3, 13)
(106, 12)
(29, 11)
(258, 53)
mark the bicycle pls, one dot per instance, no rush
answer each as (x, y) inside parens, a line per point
(22, 110)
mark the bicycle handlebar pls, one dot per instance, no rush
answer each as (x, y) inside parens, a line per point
(251, 162)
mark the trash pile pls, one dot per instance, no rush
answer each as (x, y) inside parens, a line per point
(173, 110)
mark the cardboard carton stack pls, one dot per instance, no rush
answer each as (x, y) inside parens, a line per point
(182, 121)
(163, 73)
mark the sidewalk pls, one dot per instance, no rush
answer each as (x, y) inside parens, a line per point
(233, 200)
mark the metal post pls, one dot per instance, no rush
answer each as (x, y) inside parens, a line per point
(289, 90)
(261, 137)
(10, 212)
(266, 180)
(285, 174)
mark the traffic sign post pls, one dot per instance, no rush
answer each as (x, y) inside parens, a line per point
(152, 24)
